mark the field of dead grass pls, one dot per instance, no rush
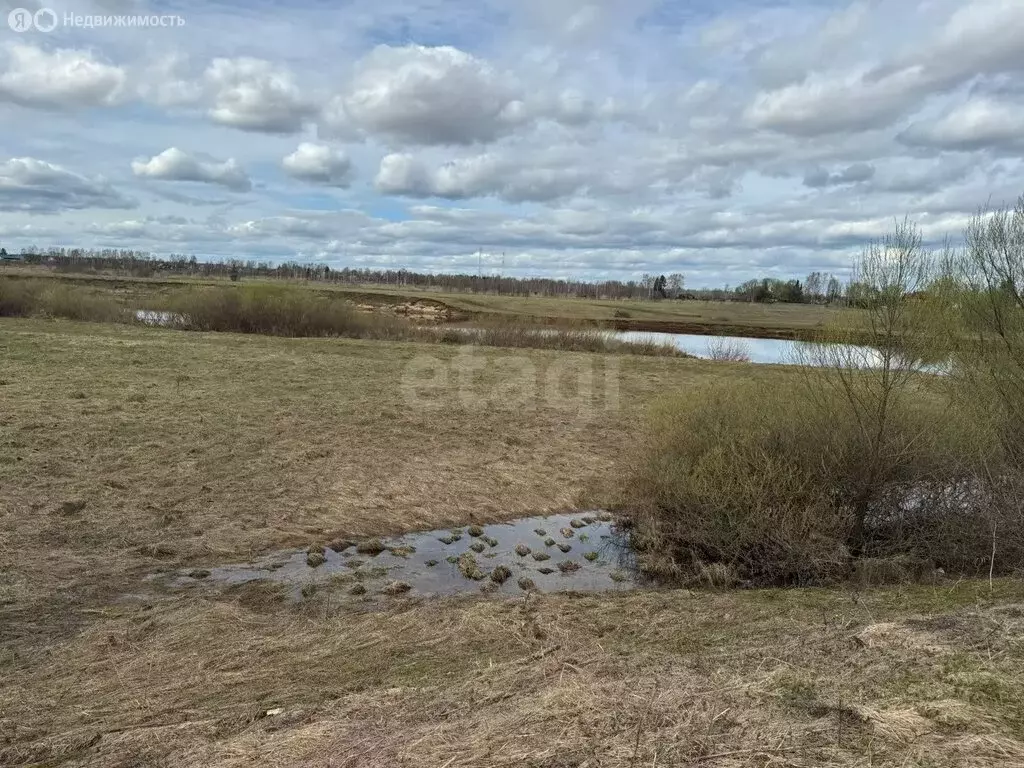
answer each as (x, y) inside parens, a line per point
(127, 450)
(733, 318)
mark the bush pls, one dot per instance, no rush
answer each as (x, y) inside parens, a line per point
(728, 350)
(18, 298)
(50, 298)
(781, 489)
(871, 457)
(280, 311)
(77, 303)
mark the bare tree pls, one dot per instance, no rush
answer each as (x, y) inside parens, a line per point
(990, 275)
(872, 386)
(814, 287)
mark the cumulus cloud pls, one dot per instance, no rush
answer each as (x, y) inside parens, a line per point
(420, 95)
(319, 164)
(36, 186)
(819, 177)
(255, 95)
(174, 164)
(981, 123)
(59, 79)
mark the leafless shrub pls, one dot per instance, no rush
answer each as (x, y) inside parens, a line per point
(870, 457)
(728, 350)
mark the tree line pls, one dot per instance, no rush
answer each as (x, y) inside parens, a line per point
(816, 288)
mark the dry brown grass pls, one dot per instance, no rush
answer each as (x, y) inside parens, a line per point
(195, 449)
(734, 318)
(796, 678)
(189, 447)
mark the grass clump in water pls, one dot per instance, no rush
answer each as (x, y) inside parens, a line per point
(522, 550)
(475, 531)
(469, 568)
(370, 547)
(316, 557)
(591, 556)
(501, 574)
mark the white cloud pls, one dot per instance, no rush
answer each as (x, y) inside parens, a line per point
(511, 178)
(824, 104)
(174, 164)
(35, 186)
(420, 95)
(319, 164)
(59, 79)
(981, 123)
(979, 38)
(256, 95)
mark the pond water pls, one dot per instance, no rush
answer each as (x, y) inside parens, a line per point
(583, 552)
(764, 351)
(753, 350)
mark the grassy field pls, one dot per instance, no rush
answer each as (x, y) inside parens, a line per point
(787, 321)
(125, 451)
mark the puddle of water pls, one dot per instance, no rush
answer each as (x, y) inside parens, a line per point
(598, 559)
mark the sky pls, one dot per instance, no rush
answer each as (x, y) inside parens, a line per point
(723, 139)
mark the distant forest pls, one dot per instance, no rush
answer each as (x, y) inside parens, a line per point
(816, 288)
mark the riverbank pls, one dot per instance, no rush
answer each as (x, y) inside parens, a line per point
(129, 451)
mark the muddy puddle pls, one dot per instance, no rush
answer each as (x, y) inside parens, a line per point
(583, 552)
